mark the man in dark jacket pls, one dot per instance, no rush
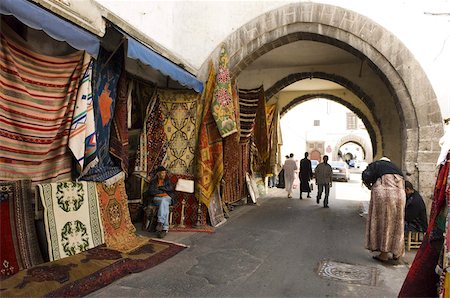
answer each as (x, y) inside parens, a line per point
(159, 193)
(306, 175)
(415, 211)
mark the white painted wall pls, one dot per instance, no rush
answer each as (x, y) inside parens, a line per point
(193, 29)
(297, 126)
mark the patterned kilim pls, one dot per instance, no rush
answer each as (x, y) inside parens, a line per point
(36, 110)
(179, 108)
(105, 78)
(72, 217)
(422, 279)
(261, 132)
(82, 138)
(272, 117)
(18, 242)
(118, 230)
(84, 273)
(210, 160)
(222, 105)
(118, 143)
(248, 106)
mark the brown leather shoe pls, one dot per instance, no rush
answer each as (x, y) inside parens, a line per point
(162, 234)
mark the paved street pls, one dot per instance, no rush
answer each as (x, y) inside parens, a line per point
(270, 250)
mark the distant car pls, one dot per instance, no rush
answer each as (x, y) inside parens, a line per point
(340, 170)
(359, 164)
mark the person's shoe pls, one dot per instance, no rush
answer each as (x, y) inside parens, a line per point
(301, 198)
(326, 206)
(289, 196)
(317, 200)
(308, 196)
(159, 227)
(162, 234)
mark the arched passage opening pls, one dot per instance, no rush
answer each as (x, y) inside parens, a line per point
(380, 65)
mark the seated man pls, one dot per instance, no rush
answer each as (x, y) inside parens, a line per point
(159, 193)
(415, 211)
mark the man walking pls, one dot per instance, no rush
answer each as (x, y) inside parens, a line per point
(290, 166)
(306, 175)
(324, 174)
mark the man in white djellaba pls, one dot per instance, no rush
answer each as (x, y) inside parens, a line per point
(290, 166)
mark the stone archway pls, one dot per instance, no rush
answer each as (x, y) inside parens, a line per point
(357, 140)
(413, 97)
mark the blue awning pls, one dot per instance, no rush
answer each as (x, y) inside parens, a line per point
(138, 51)
(40, 19)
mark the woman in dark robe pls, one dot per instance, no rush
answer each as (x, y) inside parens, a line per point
(385, 221)
(305, 176)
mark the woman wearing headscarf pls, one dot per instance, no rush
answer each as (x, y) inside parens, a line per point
(385, 222)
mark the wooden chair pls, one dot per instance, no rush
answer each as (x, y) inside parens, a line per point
(150, 218)
(413, 240)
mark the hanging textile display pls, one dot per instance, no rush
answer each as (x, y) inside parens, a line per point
(71, 217)
(422, 279)
(248, 107)
(156, 138)
(36, 111)
(261, 133)
(104, 83)
(144, 92)
(232, 176)
(18, 241)
(118, 144)
(179, 108)
(271, 112)
(82, 138)
(244, 166)
(222, 105)
(119, 232)
(209, 169)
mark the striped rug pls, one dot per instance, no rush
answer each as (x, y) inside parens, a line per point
(37, 98)
(248, 105)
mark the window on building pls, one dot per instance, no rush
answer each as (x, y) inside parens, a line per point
(316, 122)
(351, 121)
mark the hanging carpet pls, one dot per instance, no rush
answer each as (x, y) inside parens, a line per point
(37, 98)
(209, 169)
(232, 163)
(222, 105)
(118, 143)
(248, 107)
(71, 217)
(82, 138)
(18, 241)
(86, 272)
(261, 133)
(179, 108)
(119, 232)
(152, 142)
(104, 87)
(422, 279)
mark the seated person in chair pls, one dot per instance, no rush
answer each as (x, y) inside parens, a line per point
(159, 193)
(415, 211)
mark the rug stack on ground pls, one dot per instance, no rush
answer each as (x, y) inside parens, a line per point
(86, 272)
(18, 242)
